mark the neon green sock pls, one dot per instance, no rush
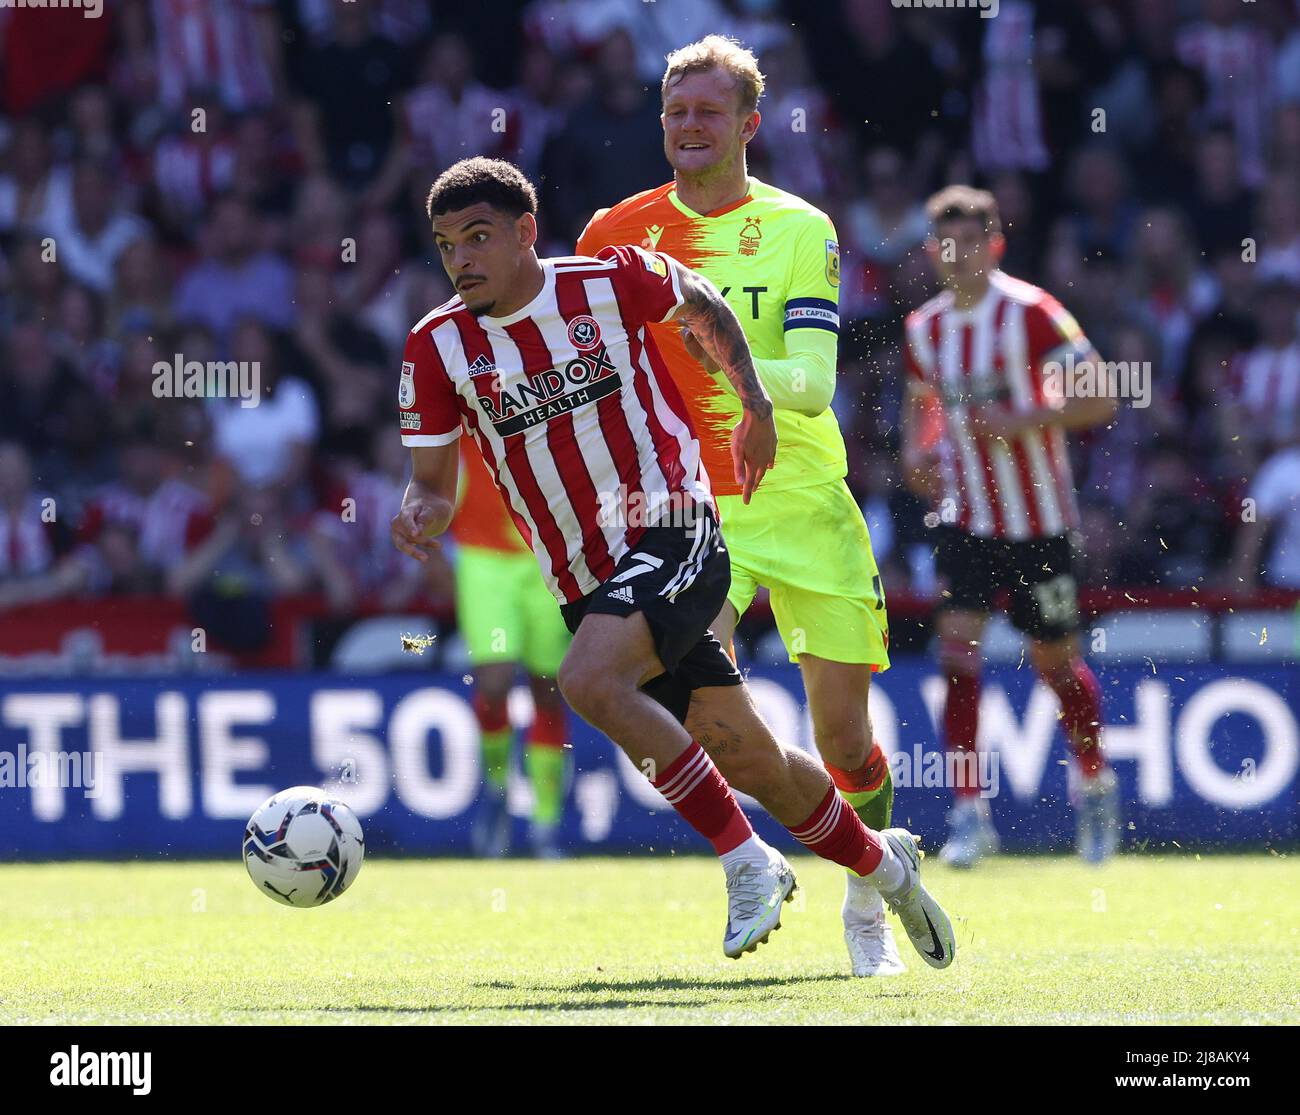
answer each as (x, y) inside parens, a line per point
(875, 807)
(545, 765)
(496, 755)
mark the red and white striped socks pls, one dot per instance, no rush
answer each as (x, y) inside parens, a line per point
(835, 832)
(696, 789)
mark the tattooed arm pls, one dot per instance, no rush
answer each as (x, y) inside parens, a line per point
(713, 323)
(715, 328)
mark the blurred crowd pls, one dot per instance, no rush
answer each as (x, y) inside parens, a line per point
(242, 180)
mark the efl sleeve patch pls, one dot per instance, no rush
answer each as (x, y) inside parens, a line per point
(812, 313)
(655, 262)
(832, 263)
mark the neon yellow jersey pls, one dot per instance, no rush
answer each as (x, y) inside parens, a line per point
(777, 260)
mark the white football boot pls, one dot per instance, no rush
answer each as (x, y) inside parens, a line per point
(867, 932)
(755, 892)
(927, 926)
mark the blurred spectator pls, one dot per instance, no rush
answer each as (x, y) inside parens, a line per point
(88, 230)
(350, 535)
(449, 115)
(346, 125)
(1171, 528)
(375, 286)
(1235, 56)
(349, 362)
(142, 292)
(39, 384)
(1279, 220)
(190, 167)
(1099, 183)
(232, 48)
(138, 528)
(611, 146)
(79, 338)
(800, 144)
(32, 188)
(267, 445)
(236, 277)
(30, 572)
(536, 110)
(857, 37)
(1008, 123)
(252, 555)
(1172, 292)
(1220, 209)
(1267, 378)
(880, 227)
(1272, 533)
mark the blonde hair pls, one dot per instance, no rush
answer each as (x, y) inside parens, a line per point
(718, 52)
(965, 201)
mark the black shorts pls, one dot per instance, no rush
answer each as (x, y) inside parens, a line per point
(677, 577)
(1039, 573)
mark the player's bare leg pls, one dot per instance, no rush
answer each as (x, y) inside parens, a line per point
(610, 660)
(787, 783)
(838, 694)
(799, 793)
(837, 697)
(493, 681)
(971, 834)
(1095, 791)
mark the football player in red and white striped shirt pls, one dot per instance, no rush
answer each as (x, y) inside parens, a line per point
(549, 367)
(990, 362)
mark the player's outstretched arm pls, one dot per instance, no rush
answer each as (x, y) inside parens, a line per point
(430, 500)
(715, 326)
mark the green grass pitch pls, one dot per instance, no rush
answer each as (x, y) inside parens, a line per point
(1145, 939)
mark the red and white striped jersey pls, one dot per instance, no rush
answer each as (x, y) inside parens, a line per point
(165, 525)
(201, 44)
(26, 540)
(570, 404)
(993, 353)
(1266, 383)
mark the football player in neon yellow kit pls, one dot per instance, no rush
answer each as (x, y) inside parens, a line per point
(776, 259)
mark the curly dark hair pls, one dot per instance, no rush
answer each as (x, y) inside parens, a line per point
(499, 183)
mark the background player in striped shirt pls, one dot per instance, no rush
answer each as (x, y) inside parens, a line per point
(776, 258)
(549, 366)
(508, 620)
(984, 438)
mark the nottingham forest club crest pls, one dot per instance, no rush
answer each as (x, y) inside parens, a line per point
(751, 237)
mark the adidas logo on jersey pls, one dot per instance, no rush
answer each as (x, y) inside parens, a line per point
(480, 365)
(622, 594)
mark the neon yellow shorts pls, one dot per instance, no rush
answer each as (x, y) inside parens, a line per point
(506, 614)
(810, 548)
